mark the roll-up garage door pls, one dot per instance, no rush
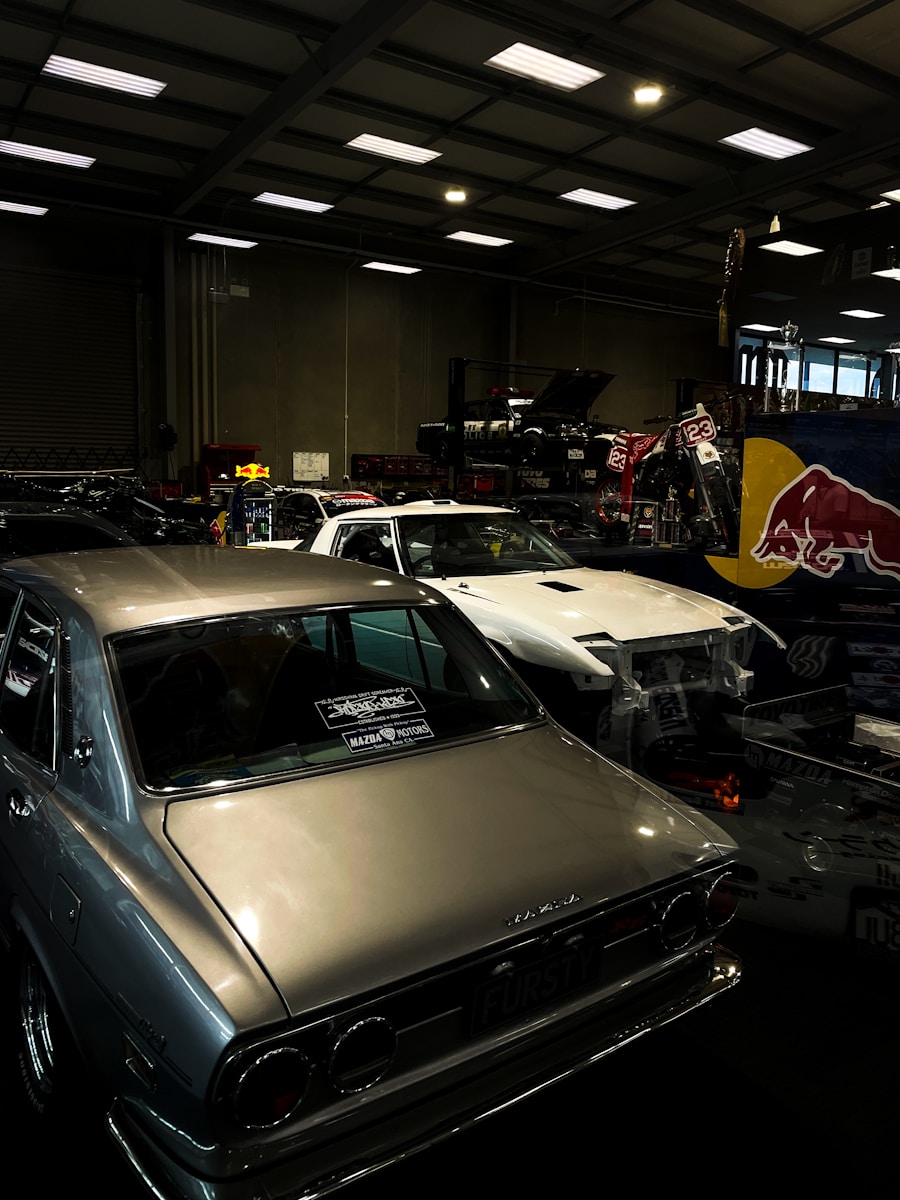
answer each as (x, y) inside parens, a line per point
(68, 371)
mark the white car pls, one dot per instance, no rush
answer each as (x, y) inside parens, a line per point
(629, 664)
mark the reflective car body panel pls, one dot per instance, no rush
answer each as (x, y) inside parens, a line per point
(312, 875)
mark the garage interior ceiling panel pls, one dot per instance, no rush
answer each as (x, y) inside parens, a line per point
(263, 95)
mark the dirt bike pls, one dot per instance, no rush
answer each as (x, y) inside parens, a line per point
(679, 471)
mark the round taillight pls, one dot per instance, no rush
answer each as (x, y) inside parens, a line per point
(271, 1088)
(680, 922)
(362, 1054)
(721, 901)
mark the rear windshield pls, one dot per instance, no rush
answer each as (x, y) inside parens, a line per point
(218, 701)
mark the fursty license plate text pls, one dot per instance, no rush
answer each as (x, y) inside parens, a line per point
(517, 992)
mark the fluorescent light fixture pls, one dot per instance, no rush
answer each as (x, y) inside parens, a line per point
(837, 341)
(648, 93)
(28, 210)
(531, 63)
(894, 195)
(596, 199)
(394, 267)
(889, 273)
(767, 145)
(879, 204)
(387, 148)
(61, 157)
(102, 77)
(479, 239)
(762, 328)
(313, 206)
(796, 249)
(456, 195)
(215, 240)
(894, 348)
(863, 313)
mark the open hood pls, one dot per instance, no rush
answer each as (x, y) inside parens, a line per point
(569, 394)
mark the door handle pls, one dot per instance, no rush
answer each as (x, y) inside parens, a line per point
(19, 806)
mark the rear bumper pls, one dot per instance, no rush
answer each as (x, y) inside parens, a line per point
(329, 1166)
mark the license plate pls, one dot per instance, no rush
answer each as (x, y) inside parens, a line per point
(877, 925)
(575, 453)
(516, 993)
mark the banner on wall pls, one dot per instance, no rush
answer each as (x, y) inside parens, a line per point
(819, 553)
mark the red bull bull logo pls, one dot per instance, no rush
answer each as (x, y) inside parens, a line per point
(819, 518)
(252, 471)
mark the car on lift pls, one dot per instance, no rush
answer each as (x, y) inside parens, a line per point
(624, 661)
(511, 425)
(299, 876)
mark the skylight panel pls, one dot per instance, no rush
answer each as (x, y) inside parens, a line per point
(767, 145)
(274, 198)
(388, 148)
(60, 158)
(479, 239)
(102, 77)
(596, 199)
(531, 63)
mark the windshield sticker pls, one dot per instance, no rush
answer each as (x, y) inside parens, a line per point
(388, 736)
(368, 706)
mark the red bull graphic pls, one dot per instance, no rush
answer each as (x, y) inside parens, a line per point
(819, 517)
(251, 471)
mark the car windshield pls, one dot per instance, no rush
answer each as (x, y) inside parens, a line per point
(218, 701)
(445, 543)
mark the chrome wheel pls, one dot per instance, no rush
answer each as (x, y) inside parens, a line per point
(39, 1035)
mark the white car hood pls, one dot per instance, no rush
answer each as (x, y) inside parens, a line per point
(581, 601)
(344, 881)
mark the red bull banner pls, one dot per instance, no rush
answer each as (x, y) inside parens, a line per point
(819, 518)
(819, 551)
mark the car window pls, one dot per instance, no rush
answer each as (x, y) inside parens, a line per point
(259, 695)
(26, 535)
(476, 544)
(370, 542)
(28, 696)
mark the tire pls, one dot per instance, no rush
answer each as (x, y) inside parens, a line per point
(531, 451)
(46, 1052)
(608, 501)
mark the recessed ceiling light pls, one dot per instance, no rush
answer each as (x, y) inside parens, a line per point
(28, 210)
(396, 268)
(387, 148)
(479, 239)
(531, 63)
(863, 313)
(314, 206)
(838, 341)
(456, 195)
(894, 195)
(214, 239)
(762, 328)
(767, 145)
(597, 199)
(648, 93)
(797, 249)
(42, 154)
(102, 77)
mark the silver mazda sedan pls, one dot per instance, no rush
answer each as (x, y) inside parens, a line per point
(301, 877)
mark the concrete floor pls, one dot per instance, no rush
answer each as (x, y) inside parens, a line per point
(784, 1087)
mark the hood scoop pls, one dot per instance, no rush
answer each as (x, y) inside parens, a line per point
(558, 586)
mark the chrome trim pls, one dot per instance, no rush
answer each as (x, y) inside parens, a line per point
(342, 1038)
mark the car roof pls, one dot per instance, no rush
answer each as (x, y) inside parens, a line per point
(131, 587)
(419, 508)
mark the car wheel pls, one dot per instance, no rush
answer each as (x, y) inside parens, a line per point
(608, 500)
(531, 450)
(45, 1047)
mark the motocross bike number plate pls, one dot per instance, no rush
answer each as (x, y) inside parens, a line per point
(701, 428)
